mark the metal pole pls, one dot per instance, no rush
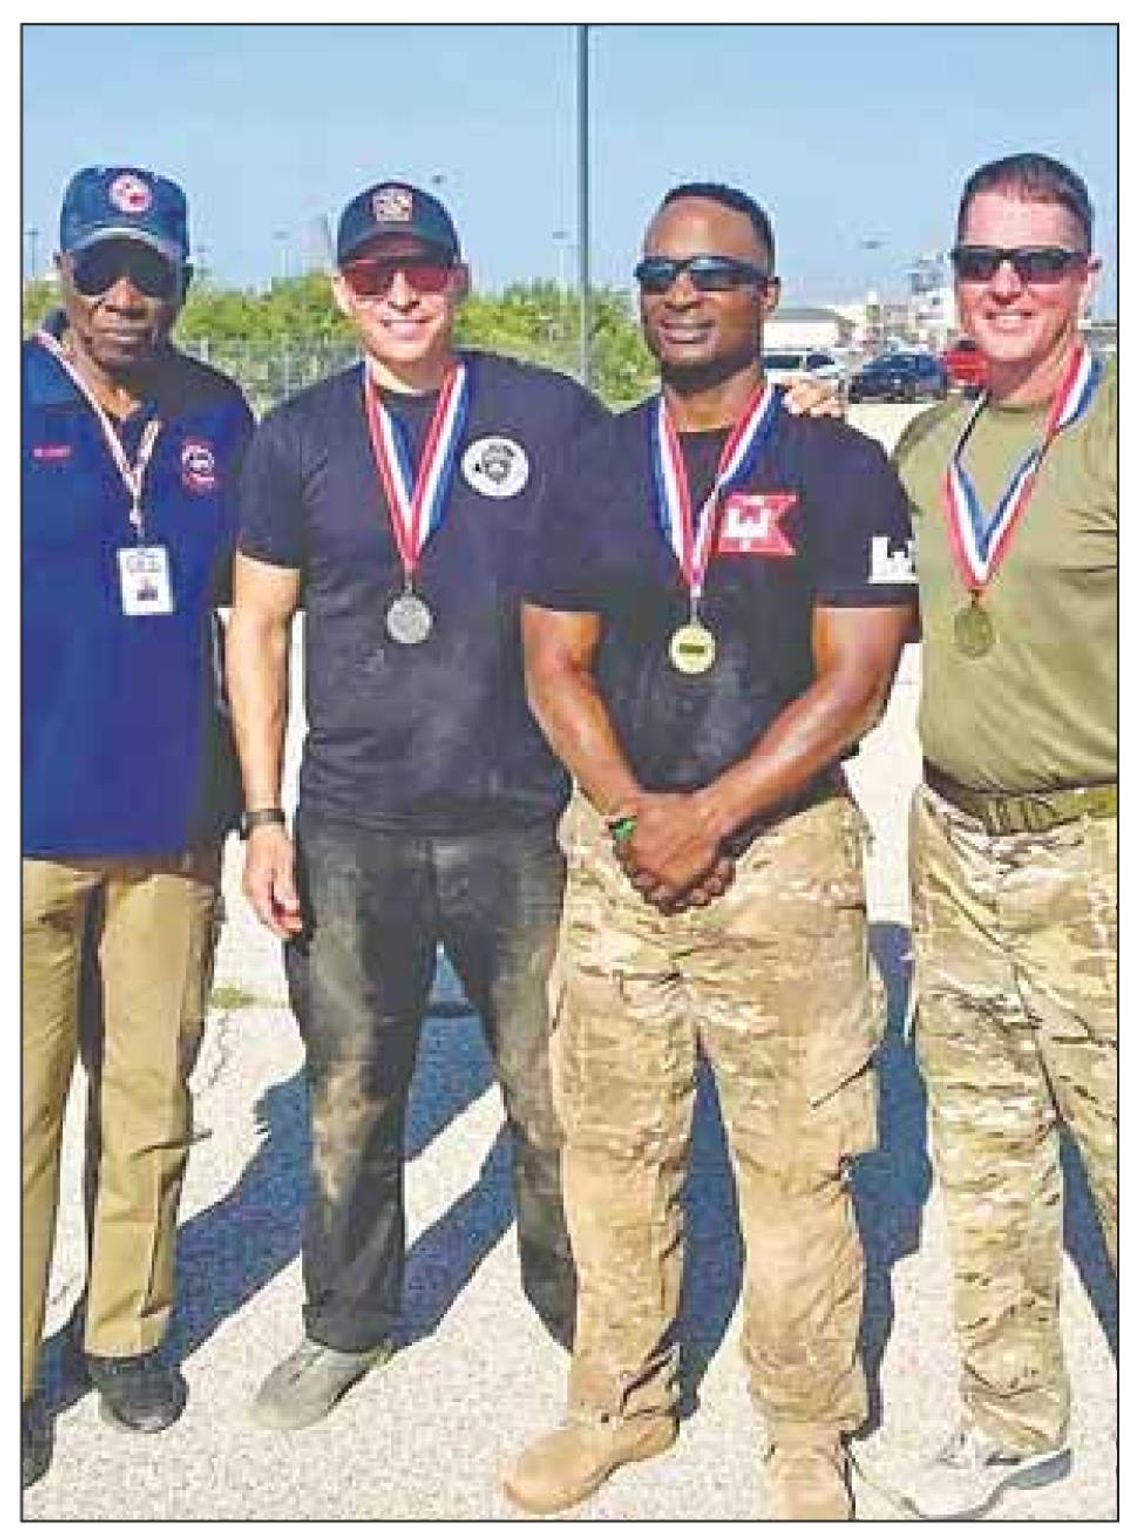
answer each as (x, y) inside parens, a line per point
(583, 205)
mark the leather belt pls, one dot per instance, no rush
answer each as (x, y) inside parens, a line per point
(1031, 812)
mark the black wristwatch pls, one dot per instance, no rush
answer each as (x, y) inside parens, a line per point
(260, 817)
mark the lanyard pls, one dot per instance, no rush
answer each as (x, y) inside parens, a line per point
(980, 542)
(692, 537)
(132, 473)
(416, 509)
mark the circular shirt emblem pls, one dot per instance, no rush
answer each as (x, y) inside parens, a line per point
(199, 466)
(129, 194)
(496, 467)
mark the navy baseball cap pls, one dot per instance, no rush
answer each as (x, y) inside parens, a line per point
(394, 208)
(124, 202)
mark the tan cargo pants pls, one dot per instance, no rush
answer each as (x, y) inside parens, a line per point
(772, 979)
(1015, 939)
(156, 935)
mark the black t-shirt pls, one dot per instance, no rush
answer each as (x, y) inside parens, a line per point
(435, 737)
(820, 521)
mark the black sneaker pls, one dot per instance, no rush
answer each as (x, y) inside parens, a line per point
(35, 1440)
(143, 1394)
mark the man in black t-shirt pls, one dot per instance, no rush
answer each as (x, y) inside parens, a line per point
(396, 502)
(718, 599)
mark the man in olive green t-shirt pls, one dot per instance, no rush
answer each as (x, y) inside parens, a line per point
(1013, 831)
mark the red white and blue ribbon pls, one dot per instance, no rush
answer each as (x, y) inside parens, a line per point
(417, 501)
(980, 541)
(692, 537)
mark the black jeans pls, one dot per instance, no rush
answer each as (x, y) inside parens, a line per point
(376, 907)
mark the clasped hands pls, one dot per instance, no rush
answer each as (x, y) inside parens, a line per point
(673, 854)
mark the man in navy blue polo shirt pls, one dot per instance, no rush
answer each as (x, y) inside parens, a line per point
(129, 778)
(396, 502)
(719, 597)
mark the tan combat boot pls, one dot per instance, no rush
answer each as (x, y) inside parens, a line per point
(570, 1464)
(806, 1482)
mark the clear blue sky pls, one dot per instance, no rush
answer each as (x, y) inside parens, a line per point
(846, 133)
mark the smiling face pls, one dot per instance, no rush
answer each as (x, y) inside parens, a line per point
(702, 338)
(407, 332)
(1026, 329)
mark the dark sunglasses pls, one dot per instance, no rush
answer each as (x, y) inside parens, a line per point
(97, 268)
(427, 275)
(708, 273)
(1035, 263)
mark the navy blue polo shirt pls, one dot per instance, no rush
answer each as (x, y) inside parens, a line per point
(821, 521)
(435, 737)
(126, 750)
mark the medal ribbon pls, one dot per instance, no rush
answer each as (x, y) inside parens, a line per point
(417, 509)
(980, 542)
(132, 473)
(692, 538)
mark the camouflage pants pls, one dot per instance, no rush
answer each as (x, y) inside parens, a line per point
(772, 980)
(1015, 938)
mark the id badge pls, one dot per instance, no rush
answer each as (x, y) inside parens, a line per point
(144, 580)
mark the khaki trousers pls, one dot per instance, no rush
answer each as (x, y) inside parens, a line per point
(1015, 945)
(152, 927)
(772, 980)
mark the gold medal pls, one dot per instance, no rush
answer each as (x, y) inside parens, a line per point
(973, 631)
(692, 648)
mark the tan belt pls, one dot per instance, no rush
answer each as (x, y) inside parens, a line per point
(1033, 812)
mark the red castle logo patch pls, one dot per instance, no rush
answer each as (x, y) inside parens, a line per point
(199, 466)
(751, 525)
(130, 194)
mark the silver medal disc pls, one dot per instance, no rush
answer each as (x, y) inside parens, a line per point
(408, 619)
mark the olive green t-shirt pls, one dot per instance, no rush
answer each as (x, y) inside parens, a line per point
(1039, 710)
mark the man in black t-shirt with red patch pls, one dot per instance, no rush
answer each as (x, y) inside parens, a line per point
(396, 502)
(717, 603)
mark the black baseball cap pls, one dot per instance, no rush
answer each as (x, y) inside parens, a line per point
(124, 202)
(393, 207)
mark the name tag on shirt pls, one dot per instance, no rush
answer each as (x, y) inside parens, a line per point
(751, 525)
(144, 580)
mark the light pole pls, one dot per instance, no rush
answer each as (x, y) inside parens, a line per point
(282, 238)
(32, 258)
(561, 239)
(583, 32)
(875, 301)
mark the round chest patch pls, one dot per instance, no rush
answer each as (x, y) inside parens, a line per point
(129, 193)
(496, 467)
(199, 466)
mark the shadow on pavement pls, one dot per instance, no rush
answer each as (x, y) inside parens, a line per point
(230, 1251)
(1085, 1245)
(233, 1249)
(892, 1183)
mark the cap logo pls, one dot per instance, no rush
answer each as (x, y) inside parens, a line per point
(392, 204)
(129, 194)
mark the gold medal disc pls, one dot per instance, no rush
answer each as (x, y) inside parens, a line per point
(973, 631)
(692, 648)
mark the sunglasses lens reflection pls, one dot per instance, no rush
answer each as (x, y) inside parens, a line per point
(97, 269)
(374, 278)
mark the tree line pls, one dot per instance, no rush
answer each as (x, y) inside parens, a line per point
(536, 321)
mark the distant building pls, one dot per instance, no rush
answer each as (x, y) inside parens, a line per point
(807, 328)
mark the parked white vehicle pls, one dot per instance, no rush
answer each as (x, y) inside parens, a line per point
(789, 365)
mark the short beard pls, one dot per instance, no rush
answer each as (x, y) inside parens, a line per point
(687, 380)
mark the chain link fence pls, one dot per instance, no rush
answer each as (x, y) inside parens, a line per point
(269, 371)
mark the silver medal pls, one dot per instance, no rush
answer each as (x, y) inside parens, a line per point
(408, 619)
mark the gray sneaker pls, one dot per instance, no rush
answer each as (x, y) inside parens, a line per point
(306, 1386)
(971, 1470)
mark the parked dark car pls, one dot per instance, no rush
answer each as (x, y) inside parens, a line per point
(903, 377)
(966, 365)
